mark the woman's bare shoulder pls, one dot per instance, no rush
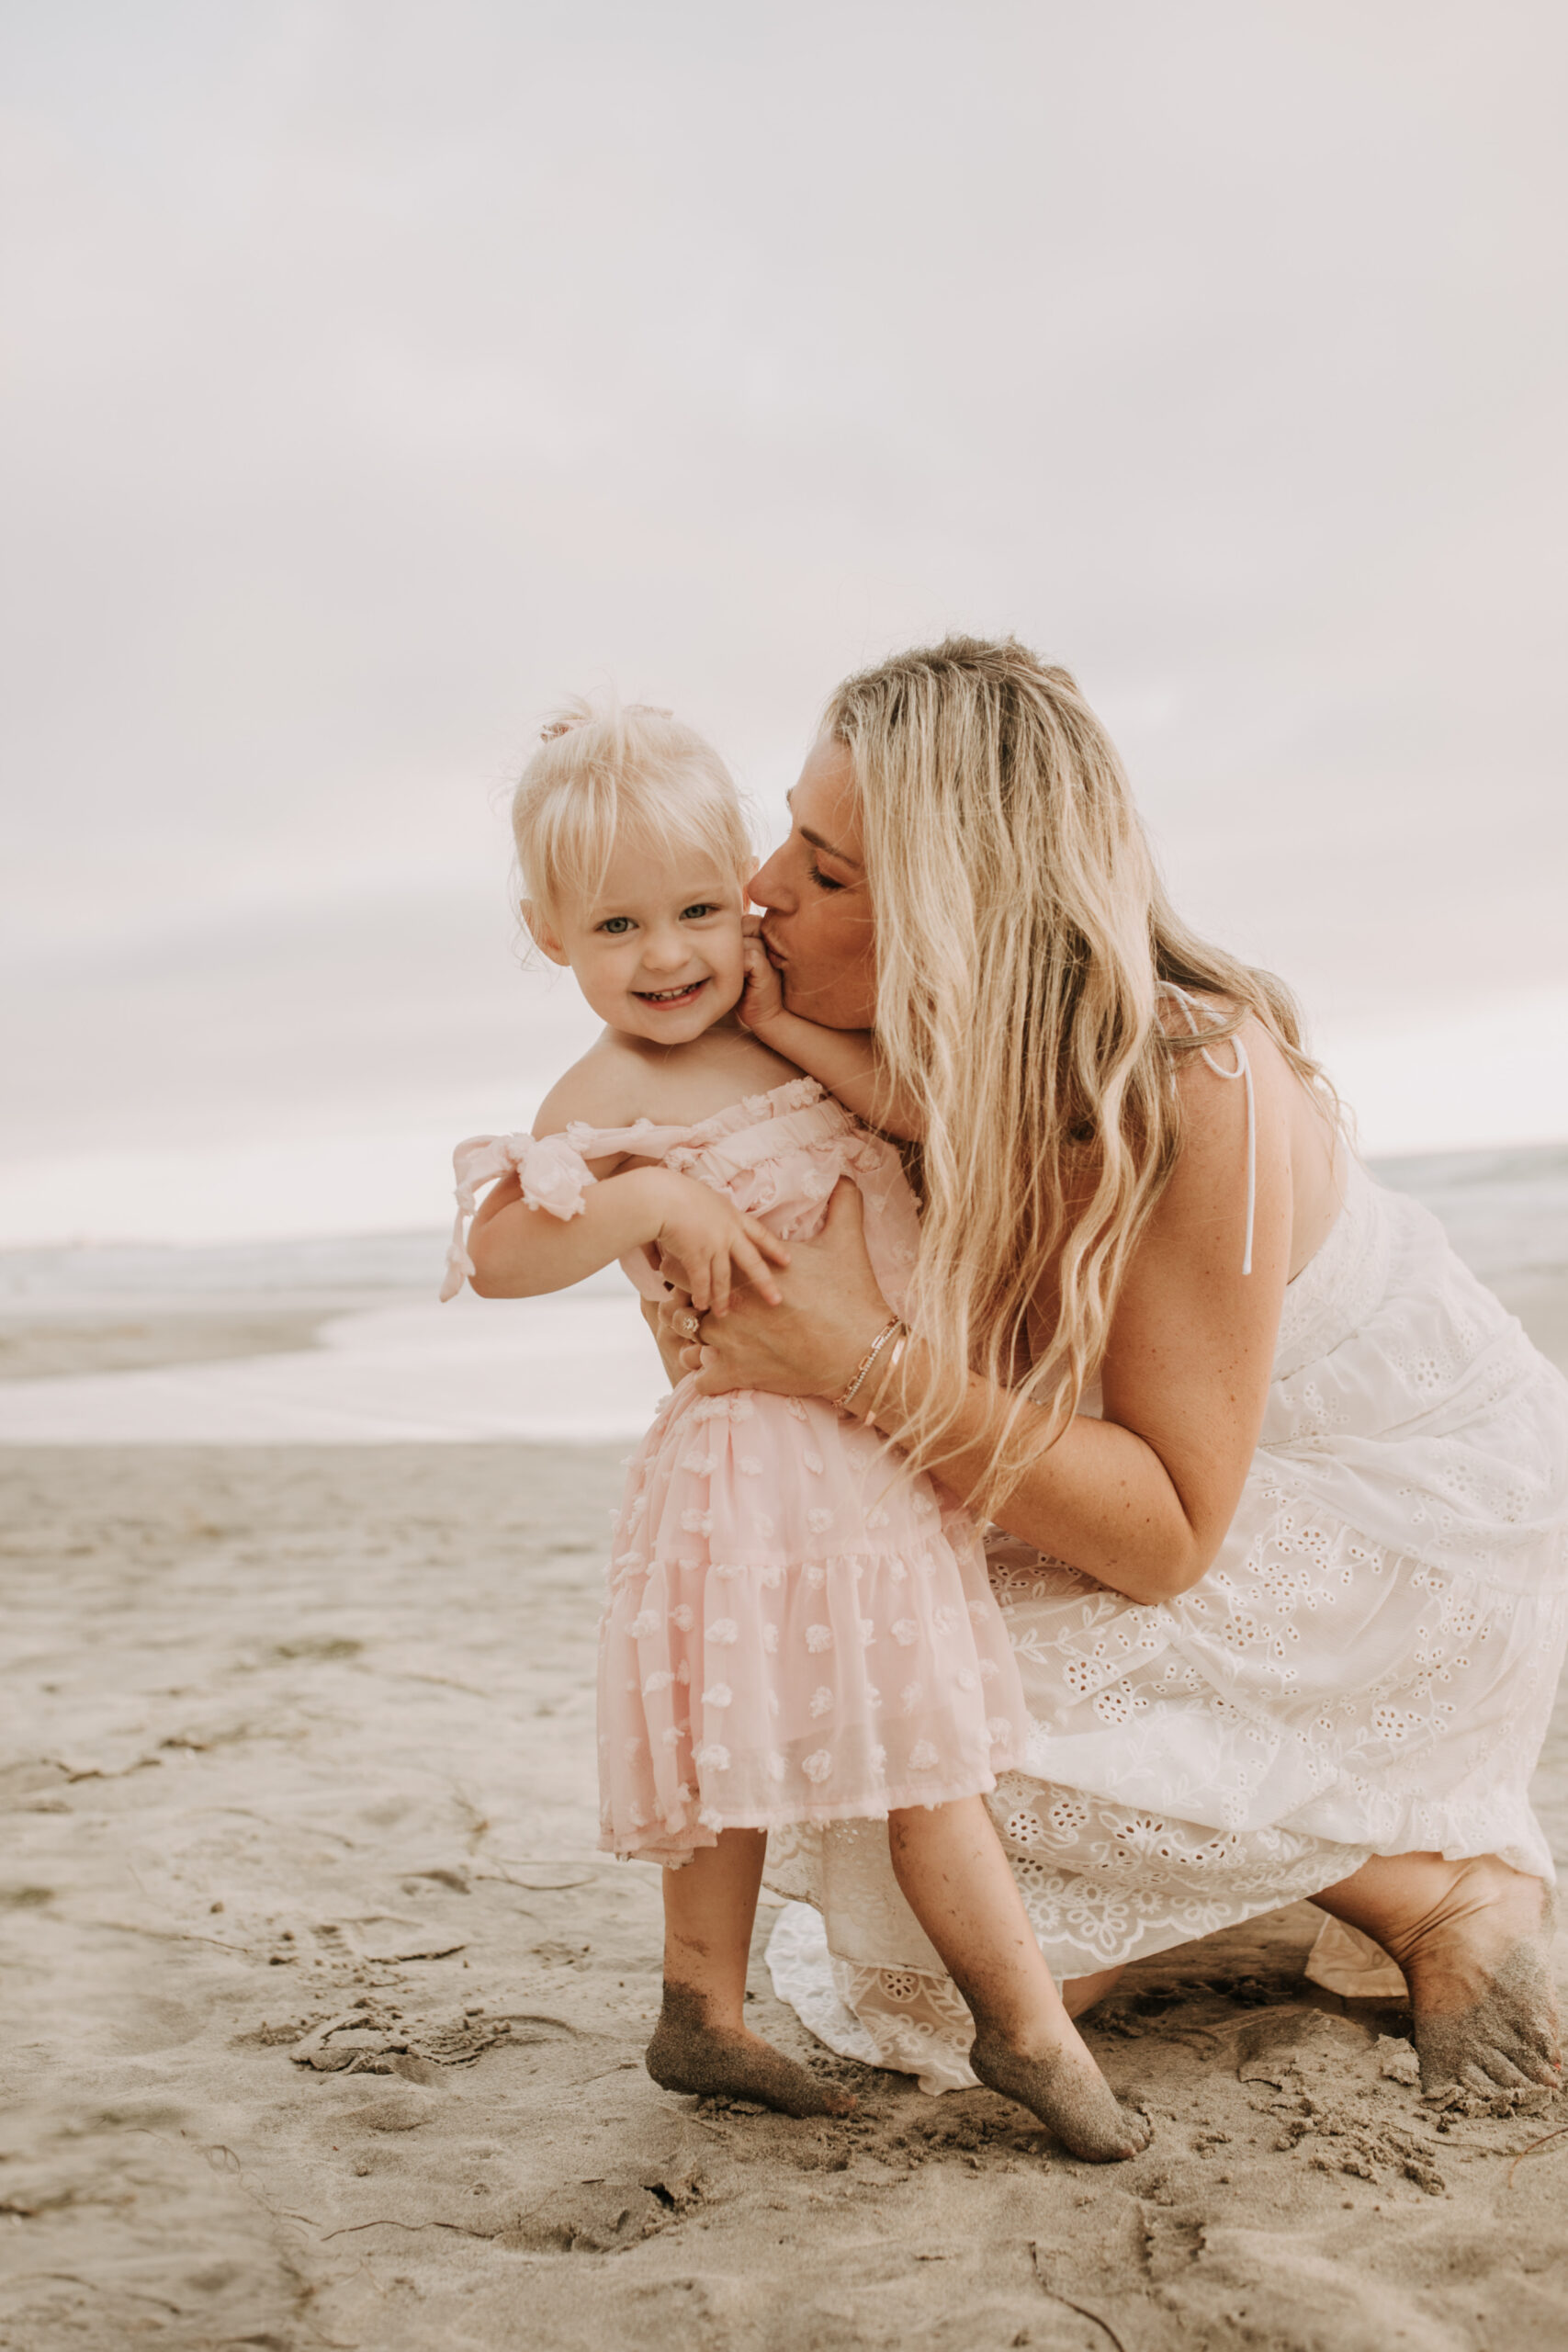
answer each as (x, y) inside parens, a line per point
(1210, 1073)
(1285, 1134)
(1218, 1135)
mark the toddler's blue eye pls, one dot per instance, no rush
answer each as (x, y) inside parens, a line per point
(616, 924)
(703, 907)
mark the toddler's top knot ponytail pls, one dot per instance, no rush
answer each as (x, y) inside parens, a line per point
(610, 773)
(581, 713)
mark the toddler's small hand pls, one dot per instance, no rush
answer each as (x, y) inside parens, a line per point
(762, 998)
(716, 1244)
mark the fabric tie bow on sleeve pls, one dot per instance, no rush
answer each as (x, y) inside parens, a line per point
(553, 1173)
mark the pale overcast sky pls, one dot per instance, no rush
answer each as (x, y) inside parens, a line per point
(377, 373)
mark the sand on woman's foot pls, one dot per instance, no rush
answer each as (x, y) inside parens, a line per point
(325, 2021)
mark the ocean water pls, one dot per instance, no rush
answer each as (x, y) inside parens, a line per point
(76, 1276)
(391, 1365)
(1506, 1212)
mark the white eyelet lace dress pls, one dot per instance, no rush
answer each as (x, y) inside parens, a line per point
(1367, 1668)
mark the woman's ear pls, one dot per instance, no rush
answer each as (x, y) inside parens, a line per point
(547, 941)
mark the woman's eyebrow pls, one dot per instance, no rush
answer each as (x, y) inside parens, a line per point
(828, 849)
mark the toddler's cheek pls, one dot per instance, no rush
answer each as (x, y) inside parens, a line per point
(729, 987)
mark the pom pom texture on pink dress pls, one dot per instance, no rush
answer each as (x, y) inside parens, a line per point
(796, 1628)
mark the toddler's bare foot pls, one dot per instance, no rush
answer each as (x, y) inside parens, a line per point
(1479, 1968)
(1065, 2089)
(688, 2053)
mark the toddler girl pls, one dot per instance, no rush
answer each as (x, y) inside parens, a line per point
(797, 1629)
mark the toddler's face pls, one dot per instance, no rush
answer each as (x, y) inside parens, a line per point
(659, 953)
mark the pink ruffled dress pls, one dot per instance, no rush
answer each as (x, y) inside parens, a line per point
(797, 1629)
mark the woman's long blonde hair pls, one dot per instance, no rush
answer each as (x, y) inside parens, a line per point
(1022, 939)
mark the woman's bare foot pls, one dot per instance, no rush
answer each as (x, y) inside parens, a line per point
(1474, 1940)
(689, 2053)
(1479, 1977)
(1066, 2091)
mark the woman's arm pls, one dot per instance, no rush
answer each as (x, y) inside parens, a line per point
(1141, 1500)
(844, 1060)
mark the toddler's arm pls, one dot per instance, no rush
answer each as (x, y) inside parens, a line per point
(844, 1060)
(517, 1250)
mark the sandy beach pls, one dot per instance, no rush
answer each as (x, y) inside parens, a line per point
(325, 2018)
(1067, 485)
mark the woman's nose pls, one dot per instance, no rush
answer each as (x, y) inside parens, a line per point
(765, 888)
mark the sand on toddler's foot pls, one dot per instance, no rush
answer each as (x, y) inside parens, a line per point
(272, 1714)
(1066, 2091)
(687, 2053)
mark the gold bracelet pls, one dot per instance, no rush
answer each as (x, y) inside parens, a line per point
(841, 1403)
(895, 1358)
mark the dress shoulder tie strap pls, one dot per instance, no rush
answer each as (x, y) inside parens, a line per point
(552, 1171)
(1244, 1072)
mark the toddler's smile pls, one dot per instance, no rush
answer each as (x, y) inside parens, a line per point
(659, 952)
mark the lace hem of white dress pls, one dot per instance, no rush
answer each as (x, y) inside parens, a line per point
(915, 2024)
(928, 2035)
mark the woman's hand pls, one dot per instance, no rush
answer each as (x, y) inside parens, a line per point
(669, 1339)
(809, 1345)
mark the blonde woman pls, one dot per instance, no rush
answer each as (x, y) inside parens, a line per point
(795, 1633)
(1278, 1492)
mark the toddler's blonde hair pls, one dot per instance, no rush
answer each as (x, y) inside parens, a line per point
(1024, 946)
(616, 775)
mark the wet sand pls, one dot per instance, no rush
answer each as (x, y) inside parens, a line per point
(326, 2020)
(144, 1340)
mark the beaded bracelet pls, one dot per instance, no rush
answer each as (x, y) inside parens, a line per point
(896, 1357)
(841, 1403)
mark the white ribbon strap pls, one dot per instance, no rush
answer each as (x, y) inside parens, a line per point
(1244, 1072)
(554, 1176)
